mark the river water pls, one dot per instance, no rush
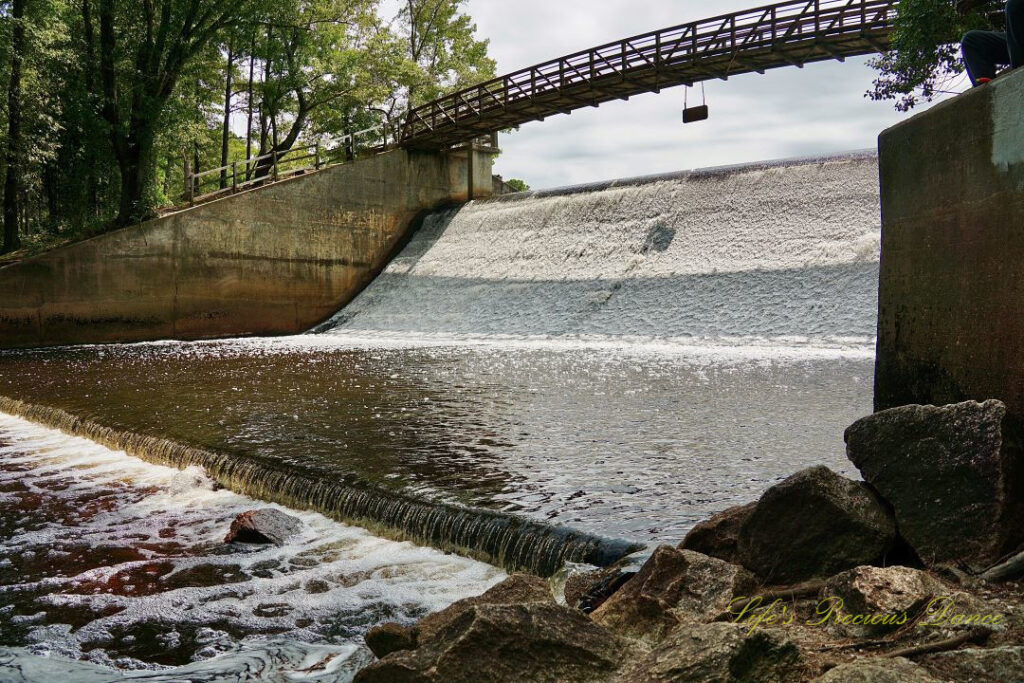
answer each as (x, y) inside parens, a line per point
(529, 376)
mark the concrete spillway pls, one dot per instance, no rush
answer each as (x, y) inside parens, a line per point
(785, 251)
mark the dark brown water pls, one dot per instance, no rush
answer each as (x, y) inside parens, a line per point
(620, 443)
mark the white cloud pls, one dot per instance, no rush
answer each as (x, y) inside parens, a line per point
(787, 112)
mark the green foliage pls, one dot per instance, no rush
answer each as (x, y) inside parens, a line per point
(118, 94)
(925, 53)
(518, 185)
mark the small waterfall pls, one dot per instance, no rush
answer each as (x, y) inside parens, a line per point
(508, 541)
(782, 252)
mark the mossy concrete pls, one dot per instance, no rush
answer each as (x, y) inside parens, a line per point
(271, 261)
(951, 295)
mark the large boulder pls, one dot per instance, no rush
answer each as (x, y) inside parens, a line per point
(878, 670)
(814, 524)
(719, 535)
(719, 652)
(673, 587)
(870, 601)
(266, 526)
(387, 638)
(954, 476)
(532, 642)
(992, 665)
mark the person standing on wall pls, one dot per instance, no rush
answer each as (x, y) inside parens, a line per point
(985, 51)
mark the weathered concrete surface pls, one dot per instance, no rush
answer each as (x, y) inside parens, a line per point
(277, 260)
(951, 300)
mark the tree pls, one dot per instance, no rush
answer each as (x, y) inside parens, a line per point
(140, 48)
(925, 51)
(12, 187)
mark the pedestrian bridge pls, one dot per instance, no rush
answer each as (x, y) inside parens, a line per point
(790, 33)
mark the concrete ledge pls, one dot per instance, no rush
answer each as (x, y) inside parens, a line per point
(951, 296)
(276, 260)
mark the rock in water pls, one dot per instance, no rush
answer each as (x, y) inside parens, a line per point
(719, 535)
(890, 597)
(814, 524)
(387, 638)
(720, 653)
(954, 476)
(532, 642)
(673, 587)
(268, 526)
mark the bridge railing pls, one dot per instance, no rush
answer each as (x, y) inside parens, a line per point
(732, 36)
(267, 168)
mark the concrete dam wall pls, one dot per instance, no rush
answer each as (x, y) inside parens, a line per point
(951, 308)
(782, 252)
(276, 260)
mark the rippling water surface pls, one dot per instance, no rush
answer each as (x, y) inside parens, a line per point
(118, 563)
(618, 442)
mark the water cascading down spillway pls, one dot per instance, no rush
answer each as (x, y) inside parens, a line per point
(765, 256)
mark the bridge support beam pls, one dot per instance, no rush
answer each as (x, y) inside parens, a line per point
(270, 261)
(951, 307)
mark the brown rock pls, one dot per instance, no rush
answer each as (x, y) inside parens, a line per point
(992, 665)
(517, 589)
(268, 525)
(954, 476)
(814, 524)
(387, 638)
(890, 597)
(526, 642)
(674, 586)
(588, 590)
(719, 535)
(719, 653)
(878, 670)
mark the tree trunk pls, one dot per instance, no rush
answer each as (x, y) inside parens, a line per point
(248, 124)
(226, 131)
(136, 166)
(14, 171)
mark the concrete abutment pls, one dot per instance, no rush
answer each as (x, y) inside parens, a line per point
(272, 261)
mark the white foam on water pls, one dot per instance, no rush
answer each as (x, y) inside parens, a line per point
(282, 606)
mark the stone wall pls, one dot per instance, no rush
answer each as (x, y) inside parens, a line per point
(951, 299)
(276, 260)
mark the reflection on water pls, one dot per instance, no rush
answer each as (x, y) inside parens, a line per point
(112, 561)
(621, 443)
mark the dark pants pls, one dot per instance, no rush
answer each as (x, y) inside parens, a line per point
(984, 51)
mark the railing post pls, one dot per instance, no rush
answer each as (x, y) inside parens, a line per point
(273, 160)
(234, 177)
(189, 190)
(316, 160)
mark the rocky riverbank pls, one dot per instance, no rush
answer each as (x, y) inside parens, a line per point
(908, 575)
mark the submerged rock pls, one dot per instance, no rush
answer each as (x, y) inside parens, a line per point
(814, 524)
(268, 526)
(719, 535)
(885, 598)
(719, 653)
(387, 638)
(954, 476)
(530, 642)
(878, 670)
(673, 587)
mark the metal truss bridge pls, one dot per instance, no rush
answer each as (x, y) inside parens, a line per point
(790, 33)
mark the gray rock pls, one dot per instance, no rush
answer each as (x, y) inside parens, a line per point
(387, 638)
(588, 590)
(954, 476)
(719, 535)
(890, 597)
(992, 665)
(814, 524)
(719, 653)
(529, 642)
(268, 526)
(878, 670)
(673, 587)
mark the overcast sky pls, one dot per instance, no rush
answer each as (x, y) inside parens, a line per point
(787, 112)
